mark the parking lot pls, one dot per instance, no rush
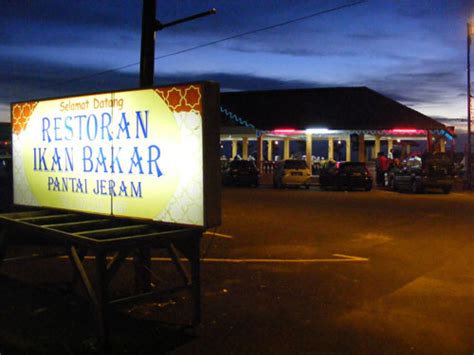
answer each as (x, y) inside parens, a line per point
(289, 271)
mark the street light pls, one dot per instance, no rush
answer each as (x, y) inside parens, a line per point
(468, 159)
(150, 25)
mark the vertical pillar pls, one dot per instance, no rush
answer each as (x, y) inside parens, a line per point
(330, 148)
(361, 148)
(408, 150)
(348, 148)
(376, 147)
(270, 150)
(286, 148)
(404, 150)
(245, 148)
(259, 152)
(234, 148)
(442, 145)
(390, 145)
(309, 149)
(430, 141)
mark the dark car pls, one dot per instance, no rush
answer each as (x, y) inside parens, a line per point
(6, 183)
(415, 174)
(241, 172)
(345, 176)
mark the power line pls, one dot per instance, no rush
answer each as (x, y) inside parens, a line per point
(208, 44)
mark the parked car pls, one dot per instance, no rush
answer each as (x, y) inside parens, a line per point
(417, 174)
(241, 172)
(6, 183)
(6, 168)
(292, 172)
(346, 176)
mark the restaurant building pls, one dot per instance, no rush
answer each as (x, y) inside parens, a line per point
(342, 123)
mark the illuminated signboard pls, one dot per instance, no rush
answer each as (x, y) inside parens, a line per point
(150, 154)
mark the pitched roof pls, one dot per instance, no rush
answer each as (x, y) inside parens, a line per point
(341, 108)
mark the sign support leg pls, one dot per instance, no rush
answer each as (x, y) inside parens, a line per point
(142, 265)
(102, 298)
(3, 244)
(191, 250)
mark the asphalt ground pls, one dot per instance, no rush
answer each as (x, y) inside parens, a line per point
(289, 272)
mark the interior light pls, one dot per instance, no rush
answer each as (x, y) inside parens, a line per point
(284, 131)
(407, 131)
(318, 130)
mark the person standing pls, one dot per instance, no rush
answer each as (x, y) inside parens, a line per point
(382, 165)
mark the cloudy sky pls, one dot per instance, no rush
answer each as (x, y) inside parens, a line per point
(412, 51)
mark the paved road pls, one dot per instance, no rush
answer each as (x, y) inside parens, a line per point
(310, 272)
(415, 294)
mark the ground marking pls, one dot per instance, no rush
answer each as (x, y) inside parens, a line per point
(338, 258)
(219, 235)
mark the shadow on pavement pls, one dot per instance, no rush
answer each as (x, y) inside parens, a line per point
(51, 319)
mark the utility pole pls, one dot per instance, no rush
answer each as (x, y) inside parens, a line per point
(469, 97)
(150, 25)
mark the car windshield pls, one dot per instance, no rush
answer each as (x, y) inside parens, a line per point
(353, 168)
(439, 158)
(295, 164)
(414, 162)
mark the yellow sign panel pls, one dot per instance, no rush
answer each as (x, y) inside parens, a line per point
(135, 153)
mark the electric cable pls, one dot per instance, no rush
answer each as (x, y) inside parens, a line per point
(211, 43)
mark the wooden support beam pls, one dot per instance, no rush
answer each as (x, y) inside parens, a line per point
(3, 243)
(26, 214)
(115, 231)
(78, 226)
(179, 265)
(79, 266)
(102, 307)
(191, 250)
(35, 257)
(114, 265)
(49, 218)
(142, 268)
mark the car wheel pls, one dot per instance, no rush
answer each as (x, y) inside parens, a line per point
(446, 190)
(276, 184)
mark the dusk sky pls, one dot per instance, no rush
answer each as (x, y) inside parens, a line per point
(411, 51)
